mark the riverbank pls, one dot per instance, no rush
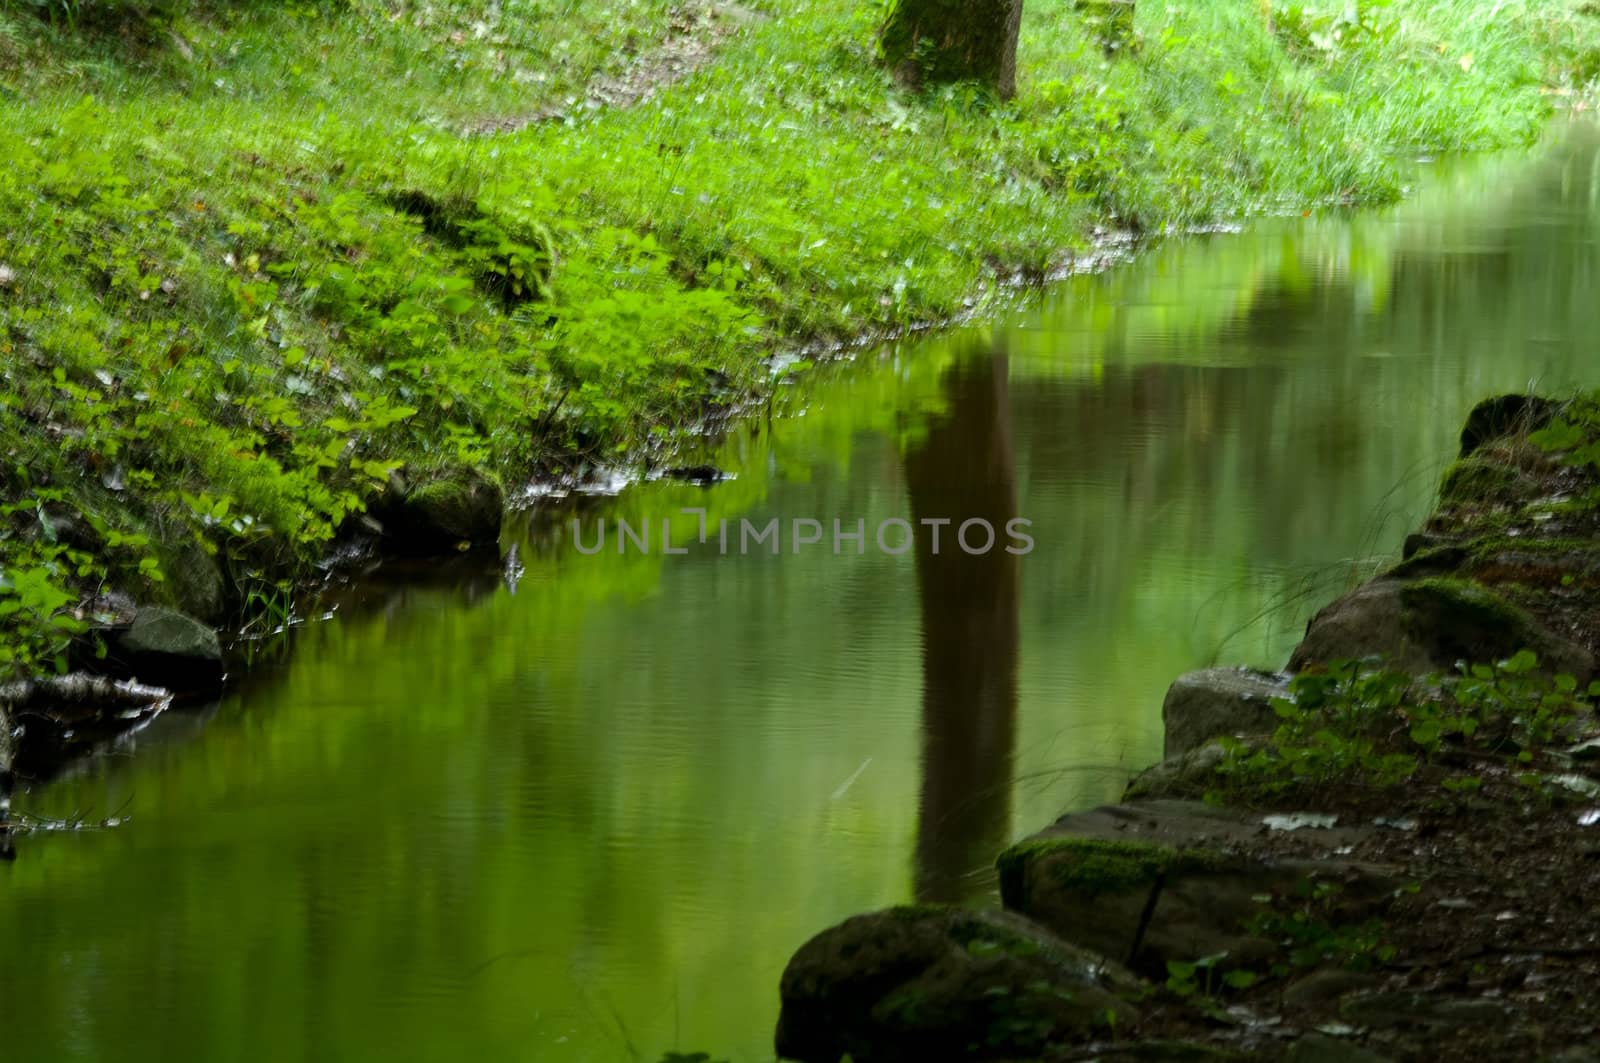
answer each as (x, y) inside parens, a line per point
(1383, 853)
(242, 292)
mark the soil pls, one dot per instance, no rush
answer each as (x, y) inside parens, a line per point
(694, 32)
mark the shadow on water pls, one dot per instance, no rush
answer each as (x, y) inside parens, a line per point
(965, 469)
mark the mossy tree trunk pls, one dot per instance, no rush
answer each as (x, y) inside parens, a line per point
(934, 41)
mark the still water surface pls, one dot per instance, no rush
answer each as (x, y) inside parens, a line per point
(591, 818)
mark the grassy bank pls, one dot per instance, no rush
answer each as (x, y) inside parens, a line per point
(254, 258)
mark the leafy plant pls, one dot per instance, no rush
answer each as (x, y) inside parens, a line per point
(1312, 933)
(1333, 726)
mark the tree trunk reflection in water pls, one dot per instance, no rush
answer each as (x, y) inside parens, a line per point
(965, 469)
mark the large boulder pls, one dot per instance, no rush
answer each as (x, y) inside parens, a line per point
(922, 983)
(166, 648)
(1218, 702)
(1427, 625)
(440, 513)
(1149, 882)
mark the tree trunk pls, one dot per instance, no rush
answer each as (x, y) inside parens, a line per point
(933, 41)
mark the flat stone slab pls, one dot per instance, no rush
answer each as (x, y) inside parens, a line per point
(1148, 882)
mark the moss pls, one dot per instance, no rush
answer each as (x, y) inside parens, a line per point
(1539, 564)
(1465, 600)
(912, 913)
(1476, 480)
(1093, 866)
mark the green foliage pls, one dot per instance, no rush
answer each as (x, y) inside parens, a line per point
(1358, 724)
(243, 286)
(1333, 730)
(1575, 435)
(1505, 707)
(1309, 928)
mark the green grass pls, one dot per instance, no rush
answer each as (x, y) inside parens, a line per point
(253, 258)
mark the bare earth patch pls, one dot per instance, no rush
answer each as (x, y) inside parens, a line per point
(693, 34)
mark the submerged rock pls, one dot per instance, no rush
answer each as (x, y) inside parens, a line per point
(1215, 702)
(440, 513)
(169, 649)
(925, 983)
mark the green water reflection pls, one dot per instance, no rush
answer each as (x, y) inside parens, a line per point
(590, 820)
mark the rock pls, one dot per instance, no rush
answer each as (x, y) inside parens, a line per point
(169, 649)
(923, 983)
(1173, 1052)
(1427, 625)
(1505, 415)
(1215, 702)
(1410, 1009)
(1478, 481)
(1320, 1048)
(1151, 881)
(195, 582)
(1325, 985)
(440, 514)
(1426, 542)
(1188, 775)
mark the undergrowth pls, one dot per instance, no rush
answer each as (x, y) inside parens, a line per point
(1358, 725)
(255, 257)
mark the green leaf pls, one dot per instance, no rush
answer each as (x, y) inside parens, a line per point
(1240, 979)
(1426, 733)
(1560, 434)
(1521, 663)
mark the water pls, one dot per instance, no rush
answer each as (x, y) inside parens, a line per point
(591, 820)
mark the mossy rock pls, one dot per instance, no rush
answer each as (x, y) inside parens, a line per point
(1153, 881)
(166, 648)
(1187, 776)
(441, 513)
(1094, 866)
(1427, 625)
(1479, 481)
(931, 982)
(1099, 893)
(1505, 416)
(194, 583)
